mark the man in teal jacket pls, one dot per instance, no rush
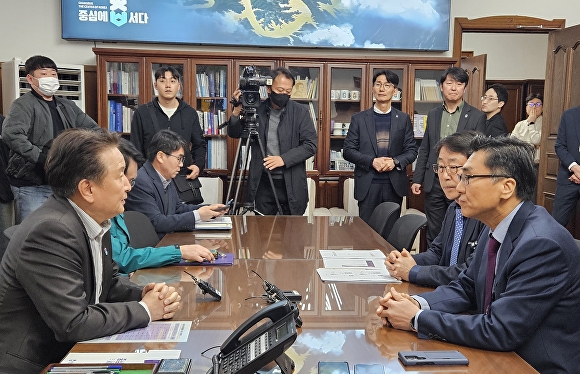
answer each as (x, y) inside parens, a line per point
(130, 259)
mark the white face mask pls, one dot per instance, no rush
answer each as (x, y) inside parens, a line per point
(48, 85)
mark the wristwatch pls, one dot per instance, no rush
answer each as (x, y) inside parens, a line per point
(397, 164)
(413, 323)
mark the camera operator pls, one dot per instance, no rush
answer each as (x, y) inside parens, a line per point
(286, 129)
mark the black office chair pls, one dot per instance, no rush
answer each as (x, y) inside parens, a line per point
(383, 218)
(405, 231)
(141, 230)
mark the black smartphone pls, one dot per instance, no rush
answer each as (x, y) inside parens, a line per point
(411, 358)
(226, 207)
(330, 367)
(369, 369)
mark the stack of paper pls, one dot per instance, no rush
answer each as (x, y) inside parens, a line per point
(219, 223)
(355, 266)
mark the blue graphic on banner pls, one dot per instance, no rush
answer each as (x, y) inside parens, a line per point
(376, 24)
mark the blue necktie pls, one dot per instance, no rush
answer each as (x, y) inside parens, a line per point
(456, 236)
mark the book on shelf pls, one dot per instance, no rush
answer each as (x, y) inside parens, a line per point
(419, 125)
(218, 223)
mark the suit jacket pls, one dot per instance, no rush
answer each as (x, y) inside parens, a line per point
(166, 212)
(535, 298)
(471, 119)
(360, 148)
(47, 291)
(434, 269)
(568, 143)
(298, 141)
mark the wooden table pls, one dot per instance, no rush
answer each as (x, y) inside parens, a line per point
(340, 323)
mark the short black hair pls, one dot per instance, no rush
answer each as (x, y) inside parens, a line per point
(129, 153)
(165, 141)
(160, 73)
(509, 156)
(533, 96)
(74, 156)
(459, 142)
(282, 71)
(456, 73)
(390, 75)
(500, 91)
(38, 62)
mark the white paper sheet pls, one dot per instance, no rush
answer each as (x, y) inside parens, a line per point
(164, 332)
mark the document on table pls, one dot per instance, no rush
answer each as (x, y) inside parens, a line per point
(120, 357)
(164, 332)
(355, 266)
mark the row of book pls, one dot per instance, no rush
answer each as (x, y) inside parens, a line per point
(217, 153)
(305, 88)
(211, 84)
(120, 117)
(427, 90)
(210, 122)
(337, 162)
(123, 82)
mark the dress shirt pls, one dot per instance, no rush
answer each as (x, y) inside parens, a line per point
(166, 184)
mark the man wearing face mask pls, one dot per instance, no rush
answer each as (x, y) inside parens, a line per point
(33, 121)
(289, 138)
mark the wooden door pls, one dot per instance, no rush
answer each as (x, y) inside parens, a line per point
(562, 92)
(475, 68)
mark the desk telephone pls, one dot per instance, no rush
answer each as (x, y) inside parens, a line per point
(266, 343)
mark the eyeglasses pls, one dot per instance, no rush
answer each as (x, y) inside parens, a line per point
(386, 86)
(488, 98)
(180, 159)
(465, 178)
(449, 169)
(537, 105)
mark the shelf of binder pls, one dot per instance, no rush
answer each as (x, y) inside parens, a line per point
(338, 163)
(120, 115)
(217, 153)
(427, 90)
(211, 84)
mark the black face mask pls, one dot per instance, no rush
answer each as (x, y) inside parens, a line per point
(279, 99)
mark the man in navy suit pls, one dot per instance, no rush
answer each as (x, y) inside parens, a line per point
(454, 115)
(155, 194)
(452, 250)
(380, 142)
(568, 150)
(523, 285)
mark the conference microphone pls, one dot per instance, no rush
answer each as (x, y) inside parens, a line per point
(205, 287)
(275, 294)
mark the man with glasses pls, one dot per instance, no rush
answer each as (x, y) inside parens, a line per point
(380, 143)
(492, 103)
(167, 111)
(155, 194)
(568, 182)
(521, 292)
(451, 251)
(454, 115)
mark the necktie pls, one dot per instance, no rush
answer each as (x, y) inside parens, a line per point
(492, 248)
(456, 236)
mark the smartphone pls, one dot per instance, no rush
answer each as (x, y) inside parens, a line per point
(432, 358)
(329, 367)
(226, 207)
(369, 369)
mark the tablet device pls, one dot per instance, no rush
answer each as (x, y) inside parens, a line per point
(411, 358)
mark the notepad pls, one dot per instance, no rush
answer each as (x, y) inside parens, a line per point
(226, 260)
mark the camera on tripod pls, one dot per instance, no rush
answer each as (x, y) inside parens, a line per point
(250, 83)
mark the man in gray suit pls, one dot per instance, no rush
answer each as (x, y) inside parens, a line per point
(380, 142)
(58, 282)
(454, 115)
(452, 250)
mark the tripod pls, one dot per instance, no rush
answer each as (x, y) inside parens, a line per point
(250, 133)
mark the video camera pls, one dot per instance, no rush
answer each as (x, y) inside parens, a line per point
(250, 83)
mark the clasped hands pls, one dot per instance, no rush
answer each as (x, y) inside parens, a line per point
(161, 300)
(397, 309)
(383, 164)
(575, 177)
(399, 264)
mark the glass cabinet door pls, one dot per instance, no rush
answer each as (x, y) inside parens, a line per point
(398, 101)
(306, 91)
(180, 67)
(346, 85)
(426, 95)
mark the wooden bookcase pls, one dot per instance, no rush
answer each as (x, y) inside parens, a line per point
(349, 74)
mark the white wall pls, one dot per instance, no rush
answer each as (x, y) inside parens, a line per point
(29, 27)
